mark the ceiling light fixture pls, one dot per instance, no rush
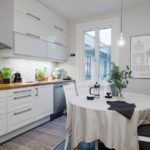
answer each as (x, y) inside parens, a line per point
(121, 41)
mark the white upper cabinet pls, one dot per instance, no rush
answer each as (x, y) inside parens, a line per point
(29, 46)
(6, 21)
(28, 26)
(39, 12)
(50, 26)
(56, 52)
(33, 20)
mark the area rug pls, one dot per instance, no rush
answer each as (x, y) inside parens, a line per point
(44, 137)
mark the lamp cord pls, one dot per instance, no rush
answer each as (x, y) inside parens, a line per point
(121, 15)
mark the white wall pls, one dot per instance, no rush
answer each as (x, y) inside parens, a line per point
(135, 22)
(27, 68)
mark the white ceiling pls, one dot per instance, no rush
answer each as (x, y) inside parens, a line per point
(74, 9)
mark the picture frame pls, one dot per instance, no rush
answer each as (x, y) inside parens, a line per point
(140, 56)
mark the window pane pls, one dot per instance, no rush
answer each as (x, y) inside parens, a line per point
(104, 53)
(89, 55)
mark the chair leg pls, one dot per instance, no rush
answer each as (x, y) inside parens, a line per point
(96, 145)
(66, 141)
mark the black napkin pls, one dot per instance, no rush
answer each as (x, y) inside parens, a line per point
(122, 107)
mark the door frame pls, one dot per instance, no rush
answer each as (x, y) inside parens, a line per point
(96, 25)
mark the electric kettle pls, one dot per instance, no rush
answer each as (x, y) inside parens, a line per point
(95, 90)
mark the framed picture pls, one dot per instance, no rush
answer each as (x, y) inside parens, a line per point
(140, 56)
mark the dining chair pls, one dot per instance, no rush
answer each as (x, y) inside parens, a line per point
(70, 91)
(144, 137)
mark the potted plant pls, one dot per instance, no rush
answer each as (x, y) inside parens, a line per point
(40, 75)
(120, 78)
(7, 74)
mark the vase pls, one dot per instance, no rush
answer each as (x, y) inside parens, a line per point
(6, 81)
(114, 90)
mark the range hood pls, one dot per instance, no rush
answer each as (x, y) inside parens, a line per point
(4, 46)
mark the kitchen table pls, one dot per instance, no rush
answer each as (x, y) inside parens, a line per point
(91, 120)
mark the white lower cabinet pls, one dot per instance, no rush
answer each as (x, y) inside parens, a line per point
(17, 102)
(2, 106)
(23, 106)
(44, 102)
(20, 118)
(3, 128)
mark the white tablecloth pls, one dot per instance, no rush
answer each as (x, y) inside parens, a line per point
(91, 120)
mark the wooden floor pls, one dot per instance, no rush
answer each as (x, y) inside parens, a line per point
(49, 136)
(45, 137)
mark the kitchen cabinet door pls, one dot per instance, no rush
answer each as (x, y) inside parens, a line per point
(2, 102)
(57, 51)
(26, 25)
(30, 7)
(2, 124)
(30, 46)
(59, 36)
(60, 22)
(3, 93)
(37, 11)
(44, 102)
(20, 118)
(2, 106)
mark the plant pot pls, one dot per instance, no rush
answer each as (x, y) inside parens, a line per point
(119, 92)
(6, 81)
(114, 90)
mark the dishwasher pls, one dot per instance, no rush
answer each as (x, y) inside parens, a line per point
(59, 100)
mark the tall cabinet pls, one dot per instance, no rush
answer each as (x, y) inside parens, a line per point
(37, 31)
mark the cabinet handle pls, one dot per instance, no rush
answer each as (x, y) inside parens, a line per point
(37, 92)
(58, 28)
(18, 113)
(59, 44)
(20, 97)
(16, 92)
(32, 35)
(33, 16)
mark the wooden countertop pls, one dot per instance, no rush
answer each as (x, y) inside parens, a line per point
(30, 84)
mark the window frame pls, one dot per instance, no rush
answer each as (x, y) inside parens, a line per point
(97, 25)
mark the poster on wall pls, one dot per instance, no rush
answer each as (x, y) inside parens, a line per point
(140, 56)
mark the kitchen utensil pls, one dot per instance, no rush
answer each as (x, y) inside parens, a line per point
(95, 90)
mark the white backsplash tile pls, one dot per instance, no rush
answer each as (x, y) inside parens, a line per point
(27, 68)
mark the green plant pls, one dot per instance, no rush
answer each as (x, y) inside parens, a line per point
(40, 74)
(120, 78)
(7, 72)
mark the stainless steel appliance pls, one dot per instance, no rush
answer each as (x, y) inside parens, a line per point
(59, 100)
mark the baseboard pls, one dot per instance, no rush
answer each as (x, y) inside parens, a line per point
(22, 130)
